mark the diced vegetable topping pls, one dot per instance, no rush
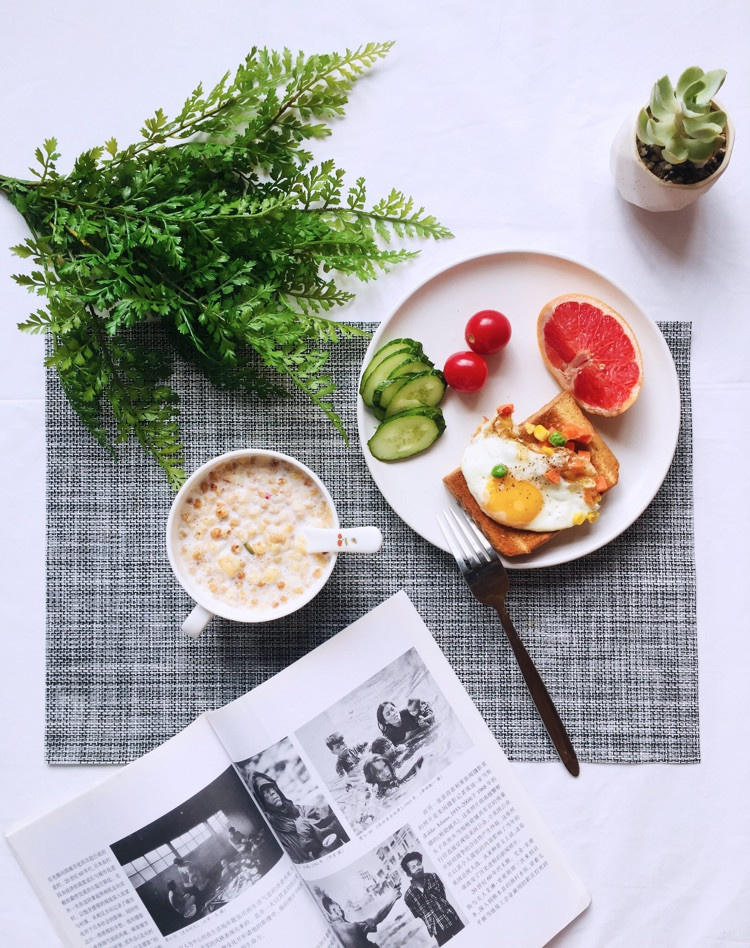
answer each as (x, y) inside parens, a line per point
(556, 439)
(575, 433)
(499, 470)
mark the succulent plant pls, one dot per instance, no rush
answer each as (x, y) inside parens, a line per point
(680, 119)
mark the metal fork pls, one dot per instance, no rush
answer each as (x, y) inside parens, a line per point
(487, 578)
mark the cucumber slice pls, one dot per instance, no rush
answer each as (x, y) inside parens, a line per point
(424, 388)
(407, 433)
(411, 345)
(375, 376)
(384, 390)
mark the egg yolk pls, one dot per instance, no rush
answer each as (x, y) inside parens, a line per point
(513, 502)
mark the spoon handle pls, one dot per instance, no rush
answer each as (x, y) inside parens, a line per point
(356, 540)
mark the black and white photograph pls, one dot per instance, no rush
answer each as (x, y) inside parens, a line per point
(384, 740)
(199, 856)
(392, 897)
(292, 802)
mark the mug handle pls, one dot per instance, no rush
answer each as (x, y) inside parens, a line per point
(196, 622)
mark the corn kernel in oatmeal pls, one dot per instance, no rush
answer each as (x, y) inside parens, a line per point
(230, 564)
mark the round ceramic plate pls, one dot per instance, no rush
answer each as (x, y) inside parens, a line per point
(519, 283)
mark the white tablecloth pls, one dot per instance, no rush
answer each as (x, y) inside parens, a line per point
(498, 117)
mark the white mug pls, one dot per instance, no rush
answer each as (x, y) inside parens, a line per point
(333, 541)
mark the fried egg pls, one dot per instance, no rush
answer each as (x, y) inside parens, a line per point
(542, 488)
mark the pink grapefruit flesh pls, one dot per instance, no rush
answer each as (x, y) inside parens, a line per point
(592, 352)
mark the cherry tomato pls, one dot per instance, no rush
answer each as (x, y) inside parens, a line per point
(488, 331)
(465, 371)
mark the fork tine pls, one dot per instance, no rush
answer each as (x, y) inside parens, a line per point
(445, 529)
(478, 549)
(457, 548)
(489, 550)
(470, 551)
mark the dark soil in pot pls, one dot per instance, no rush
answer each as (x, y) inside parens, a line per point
(685, 173)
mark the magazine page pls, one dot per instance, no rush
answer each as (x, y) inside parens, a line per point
(385, 786)
(171, 850)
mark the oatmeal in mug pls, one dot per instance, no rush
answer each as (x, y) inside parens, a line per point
(236, 533)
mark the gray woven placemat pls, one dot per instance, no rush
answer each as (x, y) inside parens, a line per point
(613, 634)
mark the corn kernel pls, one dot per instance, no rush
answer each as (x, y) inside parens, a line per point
(541, 433)
(529, 428)
(546, 449)
(593, 516)
(578, 518)
(230, 565)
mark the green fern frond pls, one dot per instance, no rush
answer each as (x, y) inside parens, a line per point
(218, 223)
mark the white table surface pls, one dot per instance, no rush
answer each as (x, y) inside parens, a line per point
(498, 117)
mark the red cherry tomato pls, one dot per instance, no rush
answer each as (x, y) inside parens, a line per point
(465, 371)
(488, 331)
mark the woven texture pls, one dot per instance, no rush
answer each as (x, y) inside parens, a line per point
(613, 634)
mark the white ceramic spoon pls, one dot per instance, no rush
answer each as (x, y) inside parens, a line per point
(356, 540)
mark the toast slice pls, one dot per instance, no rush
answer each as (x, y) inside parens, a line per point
(510, 541)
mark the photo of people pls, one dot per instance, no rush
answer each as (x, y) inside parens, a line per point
(199, 856)
(392, 897)
(292, 802)
(426, 899)
(384, 740)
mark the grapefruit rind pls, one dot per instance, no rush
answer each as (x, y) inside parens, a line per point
(607, 386)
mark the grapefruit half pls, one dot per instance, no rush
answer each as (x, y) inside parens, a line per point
(592, 352)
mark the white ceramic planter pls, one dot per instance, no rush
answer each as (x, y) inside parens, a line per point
(640, 187)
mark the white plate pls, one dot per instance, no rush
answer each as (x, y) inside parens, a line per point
(519, 283)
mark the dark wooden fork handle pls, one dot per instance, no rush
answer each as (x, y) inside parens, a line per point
(540, 696)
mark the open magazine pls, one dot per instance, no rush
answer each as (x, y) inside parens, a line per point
(357, 798)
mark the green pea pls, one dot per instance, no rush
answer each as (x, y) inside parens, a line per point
(556, 439)
(499, 470)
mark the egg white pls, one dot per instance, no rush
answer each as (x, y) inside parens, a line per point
(561, 502)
